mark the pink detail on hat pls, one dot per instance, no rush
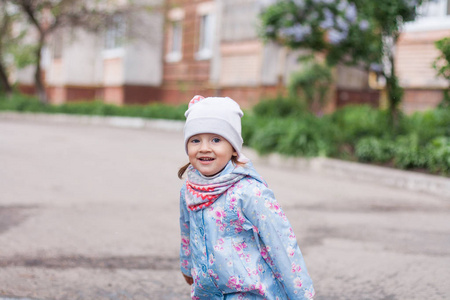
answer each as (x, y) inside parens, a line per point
(197, 98)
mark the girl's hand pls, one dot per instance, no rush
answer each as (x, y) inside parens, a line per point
(188, 279)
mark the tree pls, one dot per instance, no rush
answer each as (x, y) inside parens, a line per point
(46, 16)
(312, 83)
(6, 21)
(13, 49)
(442, 67)
(354, 32)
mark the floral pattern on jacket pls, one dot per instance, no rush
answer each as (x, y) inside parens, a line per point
(242, 246)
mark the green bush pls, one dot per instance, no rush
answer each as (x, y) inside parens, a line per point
(438, 151)
(308, 136)
(372, 149)
(23, 103)
(356, 122)
(267, 134)
(312, 83)
(298, 136)
(427, 125)
(409, 154)
(280, 107)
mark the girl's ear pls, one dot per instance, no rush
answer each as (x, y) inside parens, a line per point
(235, 154)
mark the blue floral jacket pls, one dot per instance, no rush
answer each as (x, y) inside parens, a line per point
(242, 246)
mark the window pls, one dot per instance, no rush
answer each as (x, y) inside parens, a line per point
(432, 15)
(175, 35)
(206, 34)
(115, 33)
(175, 42)
(435, 8)
(57, 45)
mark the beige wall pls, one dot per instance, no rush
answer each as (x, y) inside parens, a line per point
(415, 54)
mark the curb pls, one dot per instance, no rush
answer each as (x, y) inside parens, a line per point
(425, 183)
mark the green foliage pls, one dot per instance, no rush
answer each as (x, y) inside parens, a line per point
(438, 151)
(305, 136)
(312, 84)
(408, 152)
(280, 107)
(354, 132)
(266, 138)
(372, 149)
(442, 66)
(442, 62)
(427, 125)
(23, 54)
(23, 103)
(390, 15)
(336, 27)
(308, 137)
(355, 122)
(355, 32)
(395, 93)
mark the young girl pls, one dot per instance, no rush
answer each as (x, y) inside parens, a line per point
(236, 242)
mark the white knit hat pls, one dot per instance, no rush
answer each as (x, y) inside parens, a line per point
(218, 115)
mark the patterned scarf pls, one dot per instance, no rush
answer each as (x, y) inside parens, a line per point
(202, 191)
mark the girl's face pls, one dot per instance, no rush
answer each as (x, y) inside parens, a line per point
(209, 153)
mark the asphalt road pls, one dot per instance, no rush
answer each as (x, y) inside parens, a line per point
(91, 212)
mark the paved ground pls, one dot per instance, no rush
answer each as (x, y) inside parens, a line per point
(91, 212)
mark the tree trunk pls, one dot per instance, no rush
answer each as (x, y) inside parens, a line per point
(38, 82)
(4, 82)
(393, 89)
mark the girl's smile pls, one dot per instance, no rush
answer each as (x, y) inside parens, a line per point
(209, 153)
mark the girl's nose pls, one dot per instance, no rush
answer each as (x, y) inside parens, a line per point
(204, 147)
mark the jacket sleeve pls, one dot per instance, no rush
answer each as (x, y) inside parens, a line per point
(278, 244)
(185, 249)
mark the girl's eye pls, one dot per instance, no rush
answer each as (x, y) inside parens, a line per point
(216, 140)
(195, 141)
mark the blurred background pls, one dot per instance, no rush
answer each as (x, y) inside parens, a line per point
(91, 212)
(356, 79)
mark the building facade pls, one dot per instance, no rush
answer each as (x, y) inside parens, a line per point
(212, 48)
(416, 52)
(181, 48)
(121, 65)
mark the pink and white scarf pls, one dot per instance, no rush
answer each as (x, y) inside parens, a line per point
(202, 191)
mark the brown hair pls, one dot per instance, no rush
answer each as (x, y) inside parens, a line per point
(183, 169)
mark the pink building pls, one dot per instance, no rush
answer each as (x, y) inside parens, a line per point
(416, 53)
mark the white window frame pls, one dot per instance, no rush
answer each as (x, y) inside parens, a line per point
(114, 39)
(175, 42)
(115, 33)
(206, 31)
(434, 15)
(205, 38)
(175, 35)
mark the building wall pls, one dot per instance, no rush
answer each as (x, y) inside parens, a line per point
(240, 65)
(186, 75)
(81, 68)
(415, 54)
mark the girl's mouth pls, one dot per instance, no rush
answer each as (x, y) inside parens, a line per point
(206, 159)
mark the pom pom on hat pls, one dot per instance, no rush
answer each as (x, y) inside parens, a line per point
(196, 99)
(218, 115)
